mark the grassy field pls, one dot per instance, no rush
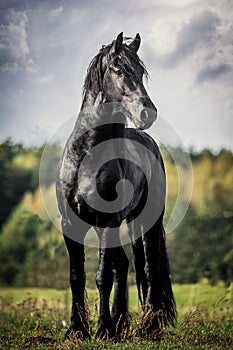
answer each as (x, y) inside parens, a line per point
(38, 318)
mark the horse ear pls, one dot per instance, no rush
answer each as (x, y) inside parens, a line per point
(118, 43)
(135, 43)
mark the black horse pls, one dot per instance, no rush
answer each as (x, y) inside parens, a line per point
(114, 86)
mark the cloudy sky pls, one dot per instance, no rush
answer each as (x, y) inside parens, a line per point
(187, 46)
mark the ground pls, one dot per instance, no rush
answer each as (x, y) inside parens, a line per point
(38, 318)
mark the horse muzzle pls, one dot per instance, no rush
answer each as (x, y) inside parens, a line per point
(147, 117)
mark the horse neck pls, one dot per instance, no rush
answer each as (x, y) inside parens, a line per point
(109, 123)
(89, 100)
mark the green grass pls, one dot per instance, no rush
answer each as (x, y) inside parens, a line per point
(38, 318)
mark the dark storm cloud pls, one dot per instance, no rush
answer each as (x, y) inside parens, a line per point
(6, 4)
(196, 34)
(212, 73)
(28, 4)
(204, 41)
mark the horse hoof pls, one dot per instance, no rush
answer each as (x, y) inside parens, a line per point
(149, 334)
(77, 333)
(104, 333)
(121, 326)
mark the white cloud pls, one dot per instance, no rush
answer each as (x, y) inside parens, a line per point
(163, 34)
(228, 109)
(179, 3)
(55, 13)
(10, 67)
(14, 35)
(39, 134)
(14, 48)
(17, 37)
(45, 79)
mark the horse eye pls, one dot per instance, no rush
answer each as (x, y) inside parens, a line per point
(119, 72)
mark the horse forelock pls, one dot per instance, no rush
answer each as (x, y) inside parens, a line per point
(127, 57)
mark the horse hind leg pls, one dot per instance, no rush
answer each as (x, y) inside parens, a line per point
(79, 321)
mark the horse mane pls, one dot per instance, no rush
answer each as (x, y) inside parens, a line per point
(95, 73)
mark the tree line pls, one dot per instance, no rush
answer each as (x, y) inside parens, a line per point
(32, 251)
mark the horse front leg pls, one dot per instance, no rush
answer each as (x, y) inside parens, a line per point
(79, 322)
(119, 312)
(104, 282)
(150, 325)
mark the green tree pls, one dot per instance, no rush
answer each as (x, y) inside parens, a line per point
(202, 247)
(19, 236)
(19, 168)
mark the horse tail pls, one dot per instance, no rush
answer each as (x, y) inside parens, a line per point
(162, 300)
(139, 262)
(165, 298)
(164, 294)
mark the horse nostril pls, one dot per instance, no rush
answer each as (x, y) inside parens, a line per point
(144, 115)
(148, 114)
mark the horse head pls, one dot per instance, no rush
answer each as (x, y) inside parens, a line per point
(122, 82)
